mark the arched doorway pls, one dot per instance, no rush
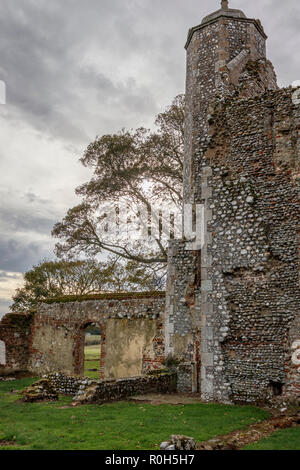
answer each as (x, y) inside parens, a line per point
(89, 351)
(92, 351)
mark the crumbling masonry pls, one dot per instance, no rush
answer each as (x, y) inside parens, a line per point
(52, 339)
(232, 309)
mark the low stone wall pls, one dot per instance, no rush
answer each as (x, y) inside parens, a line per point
(68, 385)
(43, 390)
(112, 391)
(100, 391)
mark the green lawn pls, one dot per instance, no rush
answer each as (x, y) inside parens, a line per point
(92, 361)
(285, 439)
(117, 426)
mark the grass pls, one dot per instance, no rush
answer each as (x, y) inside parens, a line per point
(117, 426)
(92, 361)
(285, 439)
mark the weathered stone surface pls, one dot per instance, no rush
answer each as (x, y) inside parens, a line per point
(52, 339)
(101, 391)
(43, 390)
(132, 338)
(15, 330)
(232, 309)
(179, 442)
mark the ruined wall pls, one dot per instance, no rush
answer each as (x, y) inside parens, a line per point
(246, 307)
(101, 391)
(14, 342)
(181, 332)
(226, 56)
(240, 294)
(254, 158)
(132, 336)
(135, 346)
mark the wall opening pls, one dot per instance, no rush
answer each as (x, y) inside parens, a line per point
(92, 351)
(276, 388)
(2, 353)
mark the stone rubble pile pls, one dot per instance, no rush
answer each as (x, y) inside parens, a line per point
(42, 390)
(178, 442)
(85, 390)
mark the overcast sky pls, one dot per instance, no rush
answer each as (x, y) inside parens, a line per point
(75, 69)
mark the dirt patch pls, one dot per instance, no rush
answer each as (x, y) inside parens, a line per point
(7, 443)
(167, 399)
(238, 439)
(17, 376)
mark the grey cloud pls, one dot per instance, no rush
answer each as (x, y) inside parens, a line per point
(75, 69)
(127, 95)
(19, 256)
(44, 46)
(26, 221)
(33, 198)
(4, 307)
(21, 221)
(7, 276)
(25, 212)
(39, 63)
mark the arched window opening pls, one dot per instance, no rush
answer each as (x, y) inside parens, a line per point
(2, 353)
(276, 388)
(92, 351)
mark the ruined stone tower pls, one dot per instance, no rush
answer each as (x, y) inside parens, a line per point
(232, 313)
(232, 308)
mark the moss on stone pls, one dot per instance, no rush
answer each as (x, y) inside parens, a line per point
(107, 296)
(19, 320)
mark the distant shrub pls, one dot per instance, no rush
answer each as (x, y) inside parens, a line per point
(171, 361)
(92, 340)
(93, 329)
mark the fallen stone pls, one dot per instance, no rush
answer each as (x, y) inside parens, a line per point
(42, 390)
(179, 442)
(164, 445)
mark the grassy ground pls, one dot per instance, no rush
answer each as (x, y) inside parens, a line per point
(117, 426)
(285, 439)
(92, 361)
